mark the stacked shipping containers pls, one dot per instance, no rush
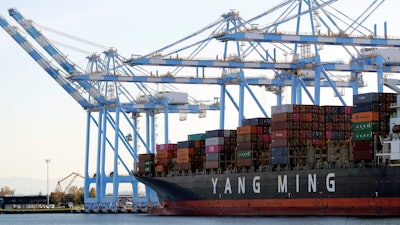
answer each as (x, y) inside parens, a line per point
(370, 119)
(292, 132)
(185, 158)
(146, 164)
(166, 153)
(253, 143)
(308, 134)
(199, 150)
(220, 147)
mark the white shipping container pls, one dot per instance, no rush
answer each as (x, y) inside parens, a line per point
(214, 141)
(288, 108)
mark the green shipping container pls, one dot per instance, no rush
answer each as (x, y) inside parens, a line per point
(364, 135)
(366, 126)
(244, 154)
(197, 137)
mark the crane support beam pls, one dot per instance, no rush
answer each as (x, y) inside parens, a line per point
(252, 36)
(258, 65)
(257, 81)
(44, 63)
(159, 108)
(60, 58)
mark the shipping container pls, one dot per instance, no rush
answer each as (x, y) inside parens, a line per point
(366, 145)
(215, 141)
(279, 160)
(247, 138)
(282, 109)
(246, 130)
(366, 126)
(244, 154)
(280, 142)
(247, 145)
(184, 151)
(212, 164)
(365, 117)
(257, 122)
(166, 147)
(368, 106)
(184, 159)
(285, 117)
(244, 162)
(185, 144)
(161, 168)
(184, 166)
(363, 155)
(212, 156)
(164, 161)
(214, 149)
(367, 97)
(220, 133)
(165, 154)
(282, 134)
(285, 125)
(197, 137)
(147, 156)
(364, 135)
(279, 151)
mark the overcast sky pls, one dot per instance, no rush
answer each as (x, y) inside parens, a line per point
(39, 121)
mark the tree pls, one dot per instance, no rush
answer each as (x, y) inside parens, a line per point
(92, 192)
(6, 191)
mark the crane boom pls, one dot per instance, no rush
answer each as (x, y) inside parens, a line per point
(60, 58)
(43, 62)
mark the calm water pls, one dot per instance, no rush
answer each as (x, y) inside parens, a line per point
(137, 219)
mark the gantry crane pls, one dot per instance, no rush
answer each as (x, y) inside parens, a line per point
(73, 177)
(109, 100)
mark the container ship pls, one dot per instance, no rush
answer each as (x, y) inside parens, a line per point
(305, 160)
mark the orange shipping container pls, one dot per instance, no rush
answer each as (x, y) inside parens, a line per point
(247, 130)
(165, 154)
(183, 159)
(308, 117)
(183, 152)
(365, 117)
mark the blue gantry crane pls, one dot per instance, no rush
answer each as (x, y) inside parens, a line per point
(109, 100)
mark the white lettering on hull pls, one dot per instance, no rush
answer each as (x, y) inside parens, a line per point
(241, 185)
(282, 182)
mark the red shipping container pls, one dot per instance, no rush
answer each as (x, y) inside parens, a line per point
(164, 161)
(348, 110)
(282, 134)
(214, 149)
(296, 117)
(184, 166)
(266, 138)
(244, 162)
(362, 155)
(366, 145)
(328, 134)
(166, 147)
(212, 164)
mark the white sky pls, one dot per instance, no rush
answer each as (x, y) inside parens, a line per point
(38, 120)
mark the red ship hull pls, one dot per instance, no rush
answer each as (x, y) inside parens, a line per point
(283, 207)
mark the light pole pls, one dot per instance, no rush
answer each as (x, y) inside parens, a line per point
(47, 162)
